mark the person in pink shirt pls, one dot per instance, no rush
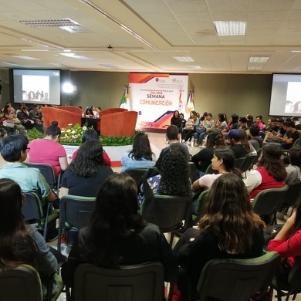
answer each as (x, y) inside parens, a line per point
(48, 150)
(91, 134)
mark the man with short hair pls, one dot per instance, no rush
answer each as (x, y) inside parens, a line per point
(14, 152)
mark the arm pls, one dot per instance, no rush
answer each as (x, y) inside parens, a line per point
(201, 182)
(63, 163)
(285, 244)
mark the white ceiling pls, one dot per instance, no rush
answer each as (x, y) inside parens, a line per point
(163, 28)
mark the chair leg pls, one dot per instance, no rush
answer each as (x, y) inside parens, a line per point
(294, 296)
(278, 295)
(287, 296)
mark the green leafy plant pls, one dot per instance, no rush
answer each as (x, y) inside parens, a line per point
(34, 134)
(72, 135)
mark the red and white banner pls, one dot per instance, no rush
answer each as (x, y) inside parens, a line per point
(155, 96)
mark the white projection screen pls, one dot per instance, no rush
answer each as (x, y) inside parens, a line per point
(37, 86)
(286, 95)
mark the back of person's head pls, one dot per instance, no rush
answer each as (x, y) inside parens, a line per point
(254, 130)
(12, 147)
(229, 215)
(114, 219)
(243, 119)
(215, 139)
(290, 124)
(141, 148)
(11, 219)
(53, 130)
(174, 172)
(88, 159)
(90, 134)
(222, 117)
(234, 118)
(234, 135)
(228, 158)
(172, 132)
(295, 156)
(12, 227)
(271, 160)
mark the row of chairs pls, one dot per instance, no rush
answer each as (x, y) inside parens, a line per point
(221, 279)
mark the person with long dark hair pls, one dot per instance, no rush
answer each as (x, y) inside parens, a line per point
(228, 229)
(91, 134)
(270, 171)
(20, 243)
(87, 172)
(202, 159)
(117, 234)
(222, 162)
(141, 155)
(176, 119)
(49, 150)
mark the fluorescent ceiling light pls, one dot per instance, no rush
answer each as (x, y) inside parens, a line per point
(295, 51)
(33, 50)
(67, 50)
(70, 29)
(255, 67)
(24, 57)
(258, 59)
(230, 28)
(74, 56)
(184, 59)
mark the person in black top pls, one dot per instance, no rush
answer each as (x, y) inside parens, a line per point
(203, 158)
(176, 119)
(229, 229)
(87, 172)
(235, 136)
(117, 234)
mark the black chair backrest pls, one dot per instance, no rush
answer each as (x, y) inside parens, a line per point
(236, 279)
(137, 174)
(76, 210)
(21, 283)
(128, 283)
(31, 207)
(47, 171)
(166, 211)
(248, 163)
(293, 194)
(239, 162)
(269, 201)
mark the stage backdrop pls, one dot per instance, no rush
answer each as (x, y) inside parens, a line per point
(155, 96)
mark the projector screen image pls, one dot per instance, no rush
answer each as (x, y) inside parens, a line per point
(286, 95)
(37, 86)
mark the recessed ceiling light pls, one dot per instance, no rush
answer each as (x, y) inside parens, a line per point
(184, 59)
(24, 57)
(256, 67)
(67, 50)
(74, 56)
(258, 59)
(33, 50)
(230, 28)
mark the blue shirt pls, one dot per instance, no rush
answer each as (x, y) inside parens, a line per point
(28, 178)
(130, 163)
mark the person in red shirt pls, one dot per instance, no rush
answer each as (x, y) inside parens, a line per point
(270, 172)
(288, 243)
(91, 134)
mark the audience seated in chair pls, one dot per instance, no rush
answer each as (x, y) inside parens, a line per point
(239, 148)
(172, 176)
(117, 234)
(141, 156)
(91, 134)
(270, 171)
(229, 229)
(22, 243)
(222, 162)
(14, 152)
(48, 150)
(87, 172)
